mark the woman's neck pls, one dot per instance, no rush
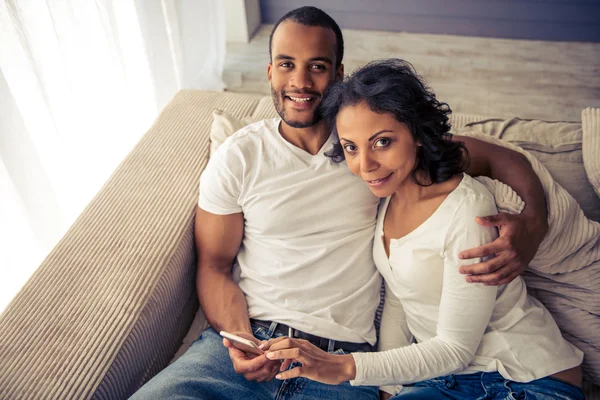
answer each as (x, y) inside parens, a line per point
(409, 192)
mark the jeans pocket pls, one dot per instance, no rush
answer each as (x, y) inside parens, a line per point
(522, 395)
(260, 333)
(518, 394)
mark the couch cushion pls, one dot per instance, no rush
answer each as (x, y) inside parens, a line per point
(590, 120)
(558, 145)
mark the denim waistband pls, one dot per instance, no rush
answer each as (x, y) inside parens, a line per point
(326, 344)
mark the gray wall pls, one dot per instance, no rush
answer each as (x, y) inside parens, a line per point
(557, 20)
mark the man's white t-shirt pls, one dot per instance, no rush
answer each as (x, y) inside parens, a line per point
(306, 256)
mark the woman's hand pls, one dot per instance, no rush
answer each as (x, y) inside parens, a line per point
(317, 365)
(518, 241)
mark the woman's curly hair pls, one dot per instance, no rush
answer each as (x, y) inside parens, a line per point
(393, 86)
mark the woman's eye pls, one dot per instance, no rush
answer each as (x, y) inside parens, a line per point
(382, 142)
(350, 148)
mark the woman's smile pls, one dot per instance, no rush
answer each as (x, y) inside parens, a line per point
(377, 183)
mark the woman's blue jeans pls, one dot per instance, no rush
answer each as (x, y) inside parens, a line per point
(489, 385)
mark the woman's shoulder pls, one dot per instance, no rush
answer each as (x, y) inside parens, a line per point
(471, 188)
(472, 197)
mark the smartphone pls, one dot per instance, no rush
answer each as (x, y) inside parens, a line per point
(242, 343)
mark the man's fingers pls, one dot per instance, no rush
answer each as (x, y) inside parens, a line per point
(267, 372)
(486, 250)
(503, 272)
(492, 220)
(243, 365)
(506, 280)
(236, 354)
(274, 371)
(483, 268)
(255, 363)
(286, 364)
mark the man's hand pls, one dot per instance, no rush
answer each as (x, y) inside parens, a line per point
(384, 395)
(518, 241)
(254, 367)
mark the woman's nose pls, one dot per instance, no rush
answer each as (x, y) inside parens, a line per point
(368, 163)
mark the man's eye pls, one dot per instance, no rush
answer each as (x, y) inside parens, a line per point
(319, 67)
(350, 148)
(285, 64)
(382, 142)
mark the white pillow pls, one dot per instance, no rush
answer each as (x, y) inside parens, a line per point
(223, 126)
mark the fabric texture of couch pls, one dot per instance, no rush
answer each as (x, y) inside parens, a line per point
(111, 304)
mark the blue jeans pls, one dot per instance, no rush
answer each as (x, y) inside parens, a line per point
(205, 371)
(489, 385)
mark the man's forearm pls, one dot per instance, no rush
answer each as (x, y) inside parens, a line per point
(518, 174)
(222, 301)
(511, 168)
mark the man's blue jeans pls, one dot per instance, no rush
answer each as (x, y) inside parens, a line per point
(489, 385)
(205, 371)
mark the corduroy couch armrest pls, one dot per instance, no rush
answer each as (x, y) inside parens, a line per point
(109, 306)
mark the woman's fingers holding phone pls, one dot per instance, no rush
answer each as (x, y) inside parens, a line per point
(266, 344)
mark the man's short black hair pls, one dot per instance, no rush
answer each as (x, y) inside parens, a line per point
(313, 16)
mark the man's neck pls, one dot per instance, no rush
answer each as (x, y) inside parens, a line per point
(309, 139)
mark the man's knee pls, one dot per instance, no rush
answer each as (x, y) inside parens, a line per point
(203, 365)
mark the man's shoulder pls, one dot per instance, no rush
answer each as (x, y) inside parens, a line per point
(243, 145)
(255, 132)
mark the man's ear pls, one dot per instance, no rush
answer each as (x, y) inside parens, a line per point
(339, 74)
(269, 71)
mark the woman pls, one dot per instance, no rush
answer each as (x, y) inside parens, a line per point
(468, 340)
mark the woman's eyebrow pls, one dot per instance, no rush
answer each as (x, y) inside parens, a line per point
(372, 137)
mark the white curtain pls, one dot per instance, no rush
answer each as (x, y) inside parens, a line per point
(80, 82)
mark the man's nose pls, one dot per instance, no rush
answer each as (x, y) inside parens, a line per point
(302, 79)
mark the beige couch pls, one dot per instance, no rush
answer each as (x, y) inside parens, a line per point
(111, 304)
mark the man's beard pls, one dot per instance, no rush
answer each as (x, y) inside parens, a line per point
(278, 102)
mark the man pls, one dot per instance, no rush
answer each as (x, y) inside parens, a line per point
(301, 228)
